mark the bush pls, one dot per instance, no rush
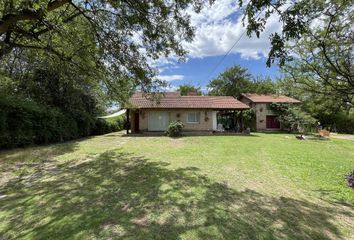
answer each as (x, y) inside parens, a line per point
(350, 179)
(344, 122)
(293, 118)
(103, 126)
(119, 121)
(174, 129)
(24, 122)
(108, 125)
(249, 119)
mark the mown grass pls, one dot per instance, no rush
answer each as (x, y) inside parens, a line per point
(264, 186)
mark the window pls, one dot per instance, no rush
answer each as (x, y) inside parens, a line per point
(193, 117)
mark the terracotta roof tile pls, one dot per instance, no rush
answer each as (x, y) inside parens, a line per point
(175, 100)
(260, 98)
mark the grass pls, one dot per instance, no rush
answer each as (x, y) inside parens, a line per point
(264, 186)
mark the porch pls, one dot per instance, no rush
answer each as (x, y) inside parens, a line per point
(195, 120)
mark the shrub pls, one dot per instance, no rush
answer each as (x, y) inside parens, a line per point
(249, 119)
(293, 118)
(118, 121)
(350, 179)
(174, 129)
(103, 126)
(344, 122)
(24, 122)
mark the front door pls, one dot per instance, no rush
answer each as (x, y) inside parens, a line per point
(272, 122)
(136, 122)
(158, 121)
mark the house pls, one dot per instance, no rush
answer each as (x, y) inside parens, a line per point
(154, 112)
(266, 119)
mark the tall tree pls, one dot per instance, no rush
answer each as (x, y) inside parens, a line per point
(236, 80)
(263, 85)
(323, 58)
(297, 18)
(232, 82)
(184, 89)
(330, 110)
(112, 39)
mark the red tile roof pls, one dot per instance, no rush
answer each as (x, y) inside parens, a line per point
(257, 98)
(175, 100)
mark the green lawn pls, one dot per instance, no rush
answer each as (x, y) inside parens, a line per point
(264, 186)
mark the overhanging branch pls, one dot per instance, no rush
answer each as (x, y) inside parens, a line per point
(11, 19)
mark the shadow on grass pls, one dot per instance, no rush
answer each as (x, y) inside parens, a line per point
(117, 195)
(30, 157)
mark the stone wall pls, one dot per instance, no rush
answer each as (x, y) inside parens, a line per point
(262, 110)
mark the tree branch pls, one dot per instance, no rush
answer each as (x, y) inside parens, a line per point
(11, 19)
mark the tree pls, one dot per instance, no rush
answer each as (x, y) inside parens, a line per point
(232, 82)
(112, 39)
(236, 80)
(321, 71)
(329, 110)
(186, 88)
(293, 117)
(297, 18)
(323, 58)
(263, 85)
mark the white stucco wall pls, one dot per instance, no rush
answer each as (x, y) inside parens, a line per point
(205, 121)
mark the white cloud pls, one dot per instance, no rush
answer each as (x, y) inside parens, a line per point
(220, 25)
(161, 64)
(214, 13)
(169, 88)
(217, 27)
(169, 78)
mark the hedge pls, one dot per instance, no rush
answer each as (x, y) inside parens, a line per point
(344, 122)
(25, 122)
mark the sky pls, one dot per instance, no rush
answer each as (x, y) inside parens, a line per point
(218, 27)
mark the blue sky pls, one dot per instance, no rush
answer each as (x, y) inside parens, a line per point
(199, 71)
(218, 27)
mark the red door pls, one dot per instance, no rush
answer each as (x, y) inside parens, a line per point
(272, 122)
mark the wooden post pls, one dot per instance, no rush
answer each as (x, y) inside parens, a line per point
(128, 122)
(241, 121)
(234, 121)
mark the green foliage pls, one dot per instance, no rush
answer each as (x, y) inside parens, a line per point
(97, 38)
(24, 122)
(186, 88)
(102, 31)
(249, 119)
(48, 104)
(297, 17)
(119, 120)
(236, 80)
(344, 122)
(174, 129)
(232, 82)
(263, 86)
(293, 118)
(323, 57)
(7, 84)
(332, 113)
(103, 126)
